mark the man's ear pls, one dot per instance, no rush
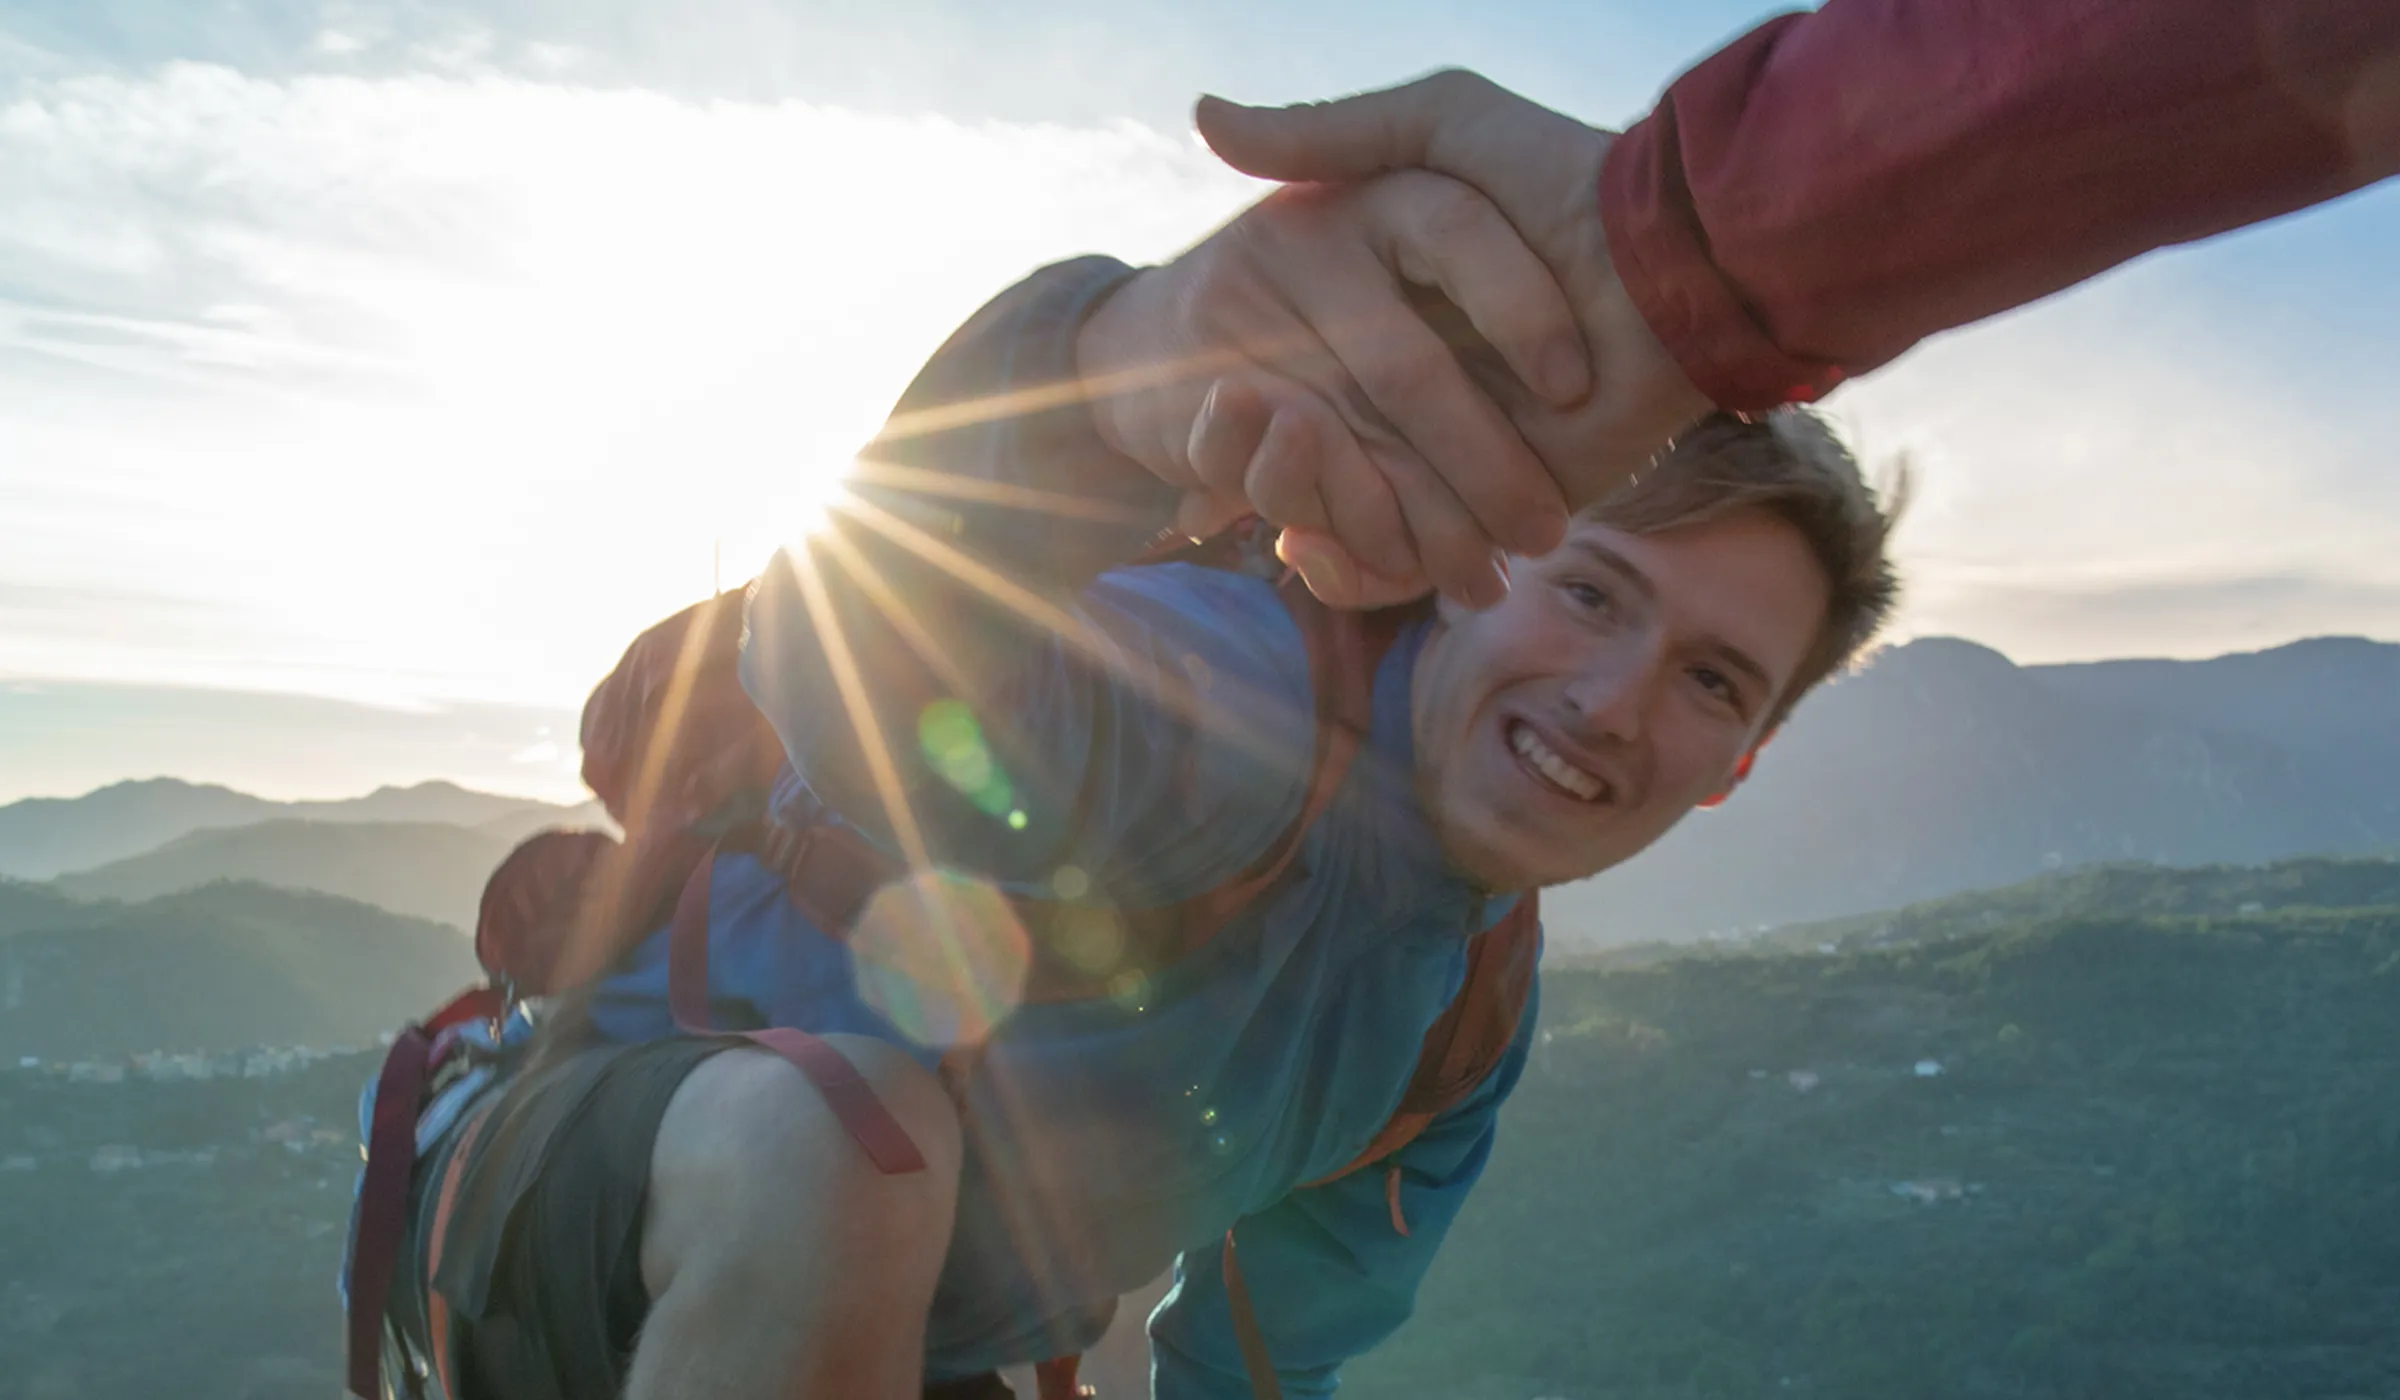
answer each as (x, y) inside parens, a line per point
(1740, 774)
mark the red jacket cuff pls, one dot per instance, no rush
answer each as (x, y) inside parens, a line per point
(1661, 256)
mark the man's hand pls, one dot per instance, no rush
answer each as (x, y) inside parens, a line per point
(1283, 366)
(1543, 170)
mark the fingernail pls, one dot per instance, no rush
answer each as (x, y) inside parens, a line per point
(1327, 573)
(1477, 594)
(1565, 376)
(1498, 588)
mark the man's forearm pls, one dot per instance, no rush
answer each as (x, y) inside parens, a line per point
(1831, 188)
(994, 447)
(988, 498)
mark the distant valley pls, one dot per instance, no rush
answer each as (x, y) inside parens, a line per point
(2127, 1132)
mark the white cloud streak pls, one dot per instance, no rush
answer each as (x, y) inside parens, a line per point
(448, 383)
(440, 384)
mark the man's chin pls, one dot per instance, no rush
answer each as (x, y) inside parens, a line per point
(1499, 861)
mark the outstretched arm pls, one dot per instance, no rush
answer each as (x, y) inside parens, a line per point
(944, 628)
(1833, 187)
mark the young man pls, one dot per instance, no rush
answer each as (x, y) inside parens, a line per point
(1055, 746)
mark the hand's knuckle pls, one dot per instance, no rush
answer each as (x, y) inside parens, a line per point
(1405, 376)
(1453, 82)
(1450, 216)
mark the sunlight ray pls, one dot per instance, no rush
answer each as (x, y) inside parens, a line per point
(870, 580)
(1169, 689)
(870, 472)
(864, 722)
(1207, 364)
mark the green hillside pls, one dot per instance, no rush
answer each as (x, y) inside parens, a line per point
(217, 968)
(2160, 1160)
(2149, 1157)
(26, 905)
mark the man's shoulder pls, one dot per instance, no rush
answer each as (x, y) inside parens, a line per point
(1215, 616)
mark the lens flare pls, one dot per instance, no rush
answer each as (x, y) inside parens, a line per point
(942, 956)
(952, 740)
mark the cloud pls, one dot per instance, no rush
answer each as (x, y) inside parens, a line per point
(445, 383)
(2121, 471)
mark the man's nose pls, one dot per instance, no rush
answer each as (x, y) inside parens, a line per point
(1610, 696)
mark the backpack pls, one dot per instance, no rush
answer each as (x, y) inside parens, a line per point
(685, 763)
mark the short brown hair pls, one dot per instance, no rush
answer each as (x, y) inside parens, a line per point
(1789, 463)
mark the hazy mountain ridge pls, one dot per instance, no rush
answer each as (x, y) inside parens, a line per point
(426, 870)
(47, 836)
(1943, 766)
(221, 967)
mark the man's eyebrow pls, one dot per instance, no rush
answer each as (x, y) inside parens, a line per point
(1733, 656)
(1616, 564)
(1743, 661)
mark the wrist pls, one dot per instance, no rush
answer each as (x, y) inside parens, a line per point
(1116, 361)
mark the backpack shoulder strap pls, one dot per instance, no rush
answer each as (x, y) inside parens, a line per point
(1470, 1038)
(1344, 650)
(1464, 1046)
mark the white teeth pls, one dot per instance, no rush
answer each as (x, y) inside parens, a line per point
(1529, 745)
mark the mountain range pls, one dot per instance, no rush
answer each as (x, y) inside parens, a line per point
(43, 837)
(218, 968)
(2130, 1137)
(2124, 1133)
(1943, 766)
(1940, 766)
(427, 870)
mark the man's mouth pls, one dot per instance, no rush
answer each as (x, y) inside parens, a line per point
(1552, 768)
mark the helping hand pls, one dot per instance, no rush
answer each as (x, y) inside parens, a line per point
(1542, 170)
(1284, 366)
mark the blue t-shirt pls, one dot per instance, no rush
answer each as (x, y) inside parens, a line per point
(1112, 738)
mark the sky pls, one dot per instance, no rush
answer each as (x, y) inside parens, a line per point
(369, 374)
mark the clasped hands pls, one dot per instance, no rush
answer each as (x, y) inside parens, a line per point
(1415, 358)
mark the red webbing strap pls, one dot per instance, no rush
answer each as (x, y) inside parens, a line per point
(383, 1186)
(831, 870)
(1263, 1383)
(383, 1204)
(1056, 1379)
(843, 1088)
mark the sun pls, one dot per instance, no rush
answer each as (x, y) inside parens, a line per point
(796, 511)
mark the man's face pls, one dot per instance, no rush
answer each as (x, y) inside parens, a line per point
(1619, 685)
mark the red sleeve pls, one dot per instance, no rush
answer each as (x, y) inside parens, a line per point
(1833, 187)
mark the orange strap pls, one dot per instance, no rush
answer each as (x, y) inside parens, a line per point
(1264, 1384)
(1344, 650)
(437, 1307)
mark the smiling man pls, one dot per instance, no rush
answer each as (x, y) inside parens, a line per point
(1173, 919)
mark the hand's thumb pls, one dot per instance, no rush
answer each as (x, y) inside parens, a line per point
(1346, 139)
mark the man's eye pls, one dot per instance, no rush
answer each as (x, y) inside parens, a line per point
(1587, 595)
(1718, 685)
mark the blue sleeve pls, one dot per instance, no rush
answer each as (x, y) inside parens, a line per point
(946, 660)
(1329, 1275)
